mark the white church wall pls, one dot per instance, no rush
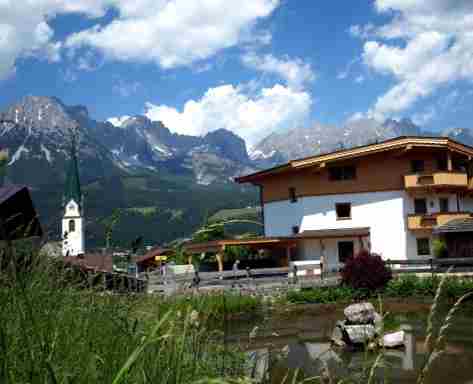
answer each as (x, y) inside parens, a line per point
(74, 243)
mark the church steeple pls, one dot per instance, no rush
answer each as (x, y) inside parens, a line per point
(73, 239)
(72, 190)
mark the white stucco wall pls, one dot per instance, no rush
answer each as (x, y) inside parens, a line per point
(385, 213)
(310, 249)
(75, 243)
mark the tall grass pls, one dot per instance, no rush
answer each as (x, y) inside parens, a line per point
(55, 331)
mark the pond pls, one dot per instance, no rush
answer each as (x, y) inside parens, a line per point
(299, 339)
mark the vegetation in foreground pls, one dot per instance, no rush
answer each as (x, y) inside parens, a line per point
(54, 331)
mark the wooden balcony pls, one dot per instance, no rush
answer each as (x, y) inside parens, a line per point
(437, 180)
(417, 222)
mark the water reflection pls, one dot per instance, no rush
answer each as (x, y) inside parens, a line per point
(308, 349)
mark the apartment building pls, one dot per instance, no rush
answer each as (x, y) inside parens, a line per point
(389, 197)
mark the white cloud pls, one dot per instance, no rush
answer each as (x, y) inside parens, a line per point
(226, 106)
(24, 29)
(294, 71)
(174, 32)
(169, 32)
(436, 49)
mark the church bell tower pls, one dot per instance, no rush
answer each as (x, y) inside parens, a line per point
(73, 242)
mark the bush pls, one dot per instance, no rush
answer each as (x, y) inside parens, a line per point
(439, 248)
(366, 271)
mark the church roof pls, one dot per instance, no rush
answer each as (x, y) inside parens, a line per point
(72, 188)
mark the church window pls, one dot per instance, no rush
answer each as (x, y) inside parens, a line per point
(72, 225)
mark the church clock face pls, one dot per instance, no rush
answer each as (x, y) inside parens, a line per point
(70, 207)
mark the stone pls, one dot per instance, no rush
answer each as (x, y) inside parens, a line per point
(393, 340)
(337, 334)
(360, 334)
(362, 313)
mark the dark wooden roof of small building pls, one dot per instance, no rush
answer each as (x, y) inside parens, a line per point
(18, 214)
(152, 253)
(92, 261)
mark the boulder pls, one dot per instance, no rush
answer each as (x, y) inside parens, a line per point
(337, 335)
(393, 340)
(362, 313)
(360, 334)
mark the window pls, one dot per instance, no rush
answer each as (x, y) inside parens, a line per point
(442, 164)
(443, 202)
(343, 211)
(342, 173)
(295, 229)
(292, 195)
(345, 251)
(72, 226)
(417, 166)
(423, 246)
(420, 206)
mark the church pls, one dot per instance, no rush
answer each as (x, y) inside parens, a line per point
(73, 239)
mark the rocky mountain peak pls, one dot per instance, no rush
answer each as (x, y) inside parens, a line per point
(229, 144)
(137, 121)
(38, 115)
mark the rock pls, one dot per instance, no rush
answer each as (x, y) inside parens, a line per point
(337, 334)
(362, 313)
(393, 340)
(360, 334)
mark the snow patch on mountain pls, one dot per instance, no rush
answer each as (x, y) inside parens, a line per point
(17, 155)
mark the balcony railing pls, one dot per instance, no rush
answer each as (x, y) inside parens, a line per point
(419, 222)
(442, 179)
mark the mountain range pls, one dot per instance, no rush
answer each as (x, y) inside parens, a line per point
(156, 176)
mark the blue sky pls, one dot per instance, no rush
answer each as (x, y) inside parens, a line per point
(252, 66)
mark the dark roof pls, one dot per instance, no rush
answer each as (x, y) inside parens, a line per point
(18, 214)
(156, 251)
(72, 188)
(8, 191)
(92, 261)
(456, 225)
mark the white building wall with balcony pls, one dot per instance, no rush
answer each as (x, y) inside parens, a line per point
(384, 213)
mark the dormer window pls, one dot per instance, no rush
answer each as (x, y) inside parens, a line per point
(347, 172)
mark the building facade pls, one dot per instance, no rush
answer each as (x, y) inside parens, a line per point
(387, 197)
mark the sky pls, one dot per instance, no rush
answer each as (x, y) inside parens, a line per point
(250, 66)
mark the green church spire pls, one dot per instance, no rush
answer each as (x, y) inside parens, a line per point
(72, 188)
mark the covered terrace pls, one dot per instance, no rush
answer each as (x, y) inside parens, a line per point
(281, 249)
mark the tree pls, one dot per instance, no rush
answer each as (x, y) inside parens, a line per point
(110, 223)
